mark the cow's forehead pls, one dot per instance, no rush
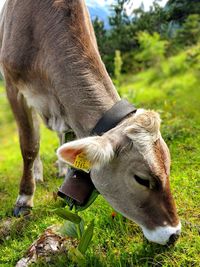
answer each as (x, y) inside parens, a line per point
(143, 127)
(143, 130)
(160, 162)
(156, 156)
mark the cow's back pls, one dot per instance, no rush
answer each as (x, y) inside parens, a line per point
(17, 34)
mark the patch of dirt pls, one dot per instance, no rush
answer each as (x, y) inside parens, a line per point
(5, 229)
(13, 225)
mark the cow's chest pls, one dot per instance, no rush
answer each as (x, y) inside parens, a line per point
(48, 107)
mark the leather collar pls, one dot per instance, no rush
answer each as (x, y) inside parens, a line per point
(113, 116)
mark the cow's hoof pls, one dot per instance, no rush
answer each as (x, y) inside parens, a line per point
(21, 211)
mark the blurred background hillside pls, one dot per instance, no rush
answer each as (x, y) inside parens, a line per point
(147, 35)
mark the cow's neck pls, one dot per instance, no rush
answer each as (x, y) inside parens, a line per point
(93, 91)
(82, 90)
(87, 90)
(90, 111)
(86, 97)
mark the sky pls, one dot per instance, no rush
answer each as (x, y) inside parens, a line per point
(132, 3)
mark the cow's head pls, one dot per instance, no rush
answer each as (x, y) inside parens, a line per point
(130, 167)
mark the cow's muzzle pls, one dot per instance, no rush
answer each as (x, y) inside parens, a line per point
(163, 235)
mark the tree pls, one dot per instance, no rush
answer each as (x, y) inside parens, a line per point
(120, 26)
(189, 34)
(152, 49)
(179, 10)
(118, 67)
(150, 21)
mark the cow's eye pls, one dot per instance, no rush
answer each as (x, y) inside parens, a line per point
(142, 181)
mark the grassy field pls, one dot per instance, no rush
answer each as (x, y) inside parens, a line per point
(172, 88)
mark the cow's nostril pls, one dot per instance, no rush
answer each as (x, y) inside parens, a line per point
(173, 238)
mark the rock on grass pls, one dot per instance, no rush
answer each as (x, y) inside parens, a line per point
(47, 245)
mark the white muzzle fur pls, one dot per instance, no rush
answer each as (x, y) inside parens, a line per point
(161, 234)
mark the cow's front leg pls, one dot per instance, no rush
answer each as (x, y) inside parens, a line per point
(38, 169)
(28, 128)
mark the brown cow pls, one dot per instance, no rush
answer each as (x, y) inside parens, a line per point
(51, 65)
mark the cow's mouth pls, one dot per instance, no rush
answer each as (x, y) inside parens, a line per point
(173, 238)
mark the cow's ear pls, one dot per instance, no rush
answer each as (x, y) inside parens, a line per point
(87, 153)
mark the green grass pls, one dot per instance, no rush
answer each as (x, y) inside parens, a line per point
(173, 90)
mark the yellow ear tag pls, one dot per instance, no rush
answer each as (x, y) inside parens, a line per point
(82, 163)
